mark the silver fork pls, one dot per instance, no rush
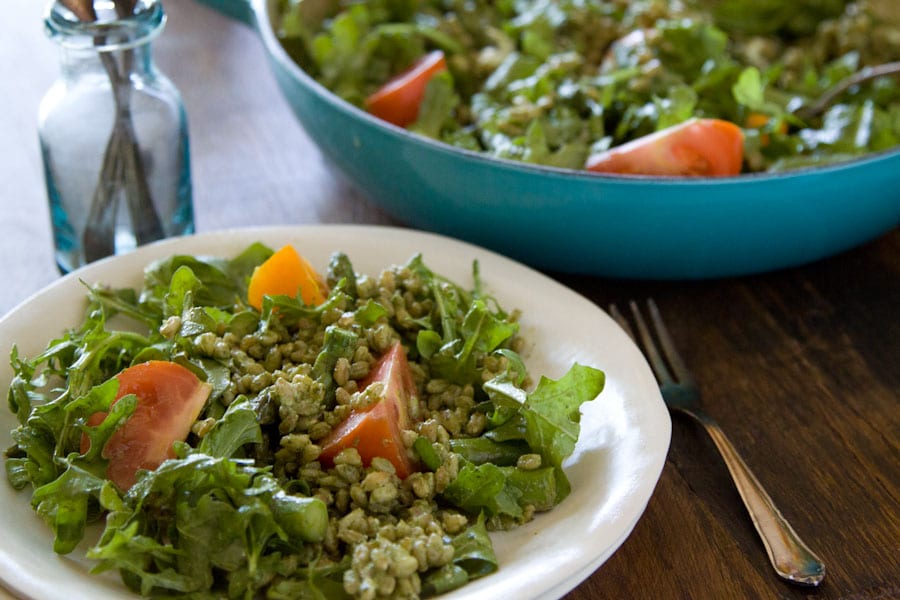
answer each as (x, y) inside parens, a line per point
(791, 558)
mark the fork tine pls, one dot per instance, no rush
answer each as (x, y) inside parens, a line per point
(619, 318)
(668, 346)
(656, 361)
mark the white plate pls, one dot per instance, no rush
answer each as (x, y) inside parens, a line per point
(620, 454)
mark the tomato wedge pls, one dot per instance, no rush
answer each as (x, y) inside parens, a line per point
(376, 431)
(695, 148)
(170, 397)
(757, 120)
(284, 273)
(398, 100)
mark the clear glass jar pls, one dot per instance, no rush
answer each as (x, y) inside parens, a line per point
(113, 135)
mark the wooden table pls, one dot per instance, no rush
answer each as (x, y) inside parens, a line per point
(801, 367)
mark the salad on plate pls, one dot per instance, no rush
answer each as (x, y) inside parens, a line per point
(247, 427)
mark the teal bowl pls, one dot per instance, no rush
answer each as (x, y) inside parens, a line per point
(571, 221)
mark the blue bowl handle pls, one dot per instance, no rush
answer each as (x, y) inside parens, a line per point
(236, 9)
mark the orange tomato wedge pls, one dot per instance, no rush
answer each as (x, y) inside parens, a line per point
(757, 120)
(170, 397)
(376, 431)
(284, 273)
(695, 148)
(398, 100)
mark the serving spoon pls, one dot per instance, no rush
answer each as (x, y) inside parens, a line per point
(831, 95)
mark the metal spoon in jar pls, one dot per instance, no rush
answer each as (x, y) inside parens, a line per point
(122, 170)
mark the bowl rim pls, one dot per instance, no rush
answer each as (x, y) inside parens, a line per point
(265, 26)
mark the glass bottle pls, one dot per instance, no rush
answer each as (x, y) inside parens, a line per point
(113, 133)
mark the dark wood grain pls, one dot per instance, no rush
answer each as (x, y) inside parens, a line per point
(801, 367)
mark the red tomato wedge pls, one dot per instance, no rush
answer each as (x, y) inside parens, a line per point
(170, 397)
(376, 431)
(695, 148)
(284, 273)
(398, 100)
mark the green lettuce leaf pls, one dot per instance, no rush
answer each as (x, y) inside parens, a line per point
(473, 557)
(199, 523)
(551, 412)
(484, 487)
(237, 427)
(548, 418)
(64, 503)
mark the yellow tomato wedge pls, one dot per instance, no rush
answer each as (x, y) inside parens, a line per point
(286, 273)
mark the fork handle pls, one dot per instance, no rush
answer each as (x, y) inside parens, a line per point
(791, 558)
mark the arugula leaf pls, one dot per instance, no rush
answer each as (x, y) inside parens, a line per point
(241, 267)
(483, 449)
(481, 332)
(689, 44)
(182, 285)
(506, 491)
(465, 328)
(216, 374)
(473, 550)
(237, 427)
(445, 579)
(31, 460)
(54, 425)
(339, 343)
(427, 454)
(183, 525)
(317, 582)
(215, 282)
(758, 17)
(438, 106)
(99, 399)
(748, 90)
(21, 392)
(65, 486)
(677, 107)
(483, 487)
(539, 488)
(124, 301)
(92, 354)
(369, 313)
(473, 557)
(64, 503)
(341, 269)
(551, 412)
(287, 311)
(548, 418)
